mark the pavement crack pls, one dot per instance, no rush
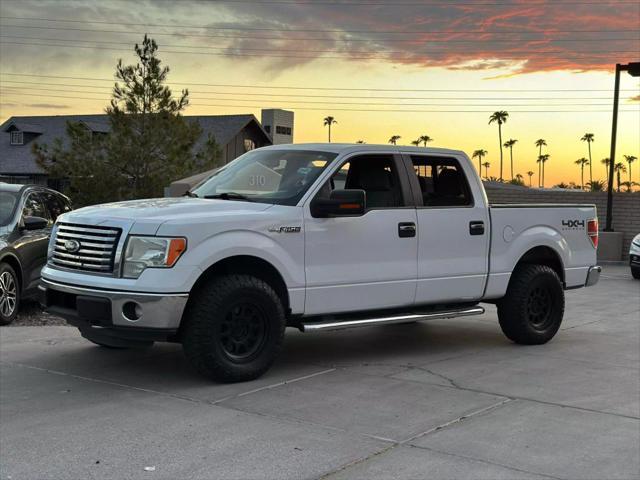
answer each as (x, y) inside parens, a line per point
(457, 420)
(488, 462)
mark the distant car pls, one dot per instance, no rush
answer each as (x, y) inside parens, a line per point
(634, 257)
(27, 214)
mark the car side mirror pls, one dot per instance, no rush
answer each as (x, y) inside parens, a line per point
(341, 203)
(35, 223)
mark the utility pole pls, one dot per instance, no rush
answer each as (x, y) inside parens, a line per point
(634, 71)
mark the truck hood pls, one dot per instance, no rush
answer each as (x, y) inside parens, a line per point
(151, 213)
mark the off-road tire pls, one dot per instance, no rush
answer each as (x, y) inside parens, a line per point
(227, 315)
(8, 273)
(532, 309)
(635, 273)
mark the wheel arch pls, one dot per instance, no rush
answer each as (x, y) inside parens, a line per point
(14, 262)
(248, 265)
(544, 255)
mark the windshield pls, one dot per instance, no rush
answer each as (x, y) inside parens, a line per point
(269, 176)
(8, 201)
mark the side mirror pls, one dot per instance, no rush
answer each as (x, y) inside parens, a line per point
(341, 203)
(35, 223)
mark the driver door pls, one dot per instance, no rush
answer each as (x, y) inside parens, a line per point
(363, 262)
(32, 248)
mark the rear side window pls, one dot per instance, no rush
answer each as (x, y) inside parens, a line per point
(442, 182)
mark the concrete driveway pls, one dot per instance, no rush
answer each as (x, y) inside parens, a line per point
(444, 399)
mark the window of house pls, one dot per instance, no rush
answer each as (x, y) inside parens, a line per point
(442, 181)
(283, 130)
(17, 138)
(249, 145)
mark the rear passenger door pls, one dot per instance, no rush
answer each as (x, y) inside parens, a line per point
(453, 230)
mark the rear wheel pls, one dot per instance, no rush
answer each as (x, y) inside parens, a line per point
(635, 272)
(9, 294)
(234, 328)
(532, 309)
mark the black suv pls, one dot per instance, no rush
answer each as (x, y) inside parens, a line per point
(27, 214)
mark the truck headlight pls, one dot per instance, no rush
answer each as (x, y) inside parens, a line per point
(151, 252)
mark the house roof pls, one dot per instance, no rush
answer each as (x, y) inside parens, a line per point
(19, 159)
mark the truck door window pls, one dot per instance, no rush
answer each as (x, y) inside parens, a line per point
(442, 182)
(375, 174)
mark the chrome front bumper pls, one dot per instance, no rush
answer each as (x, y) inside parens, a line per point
(593, 276)
(113, 308)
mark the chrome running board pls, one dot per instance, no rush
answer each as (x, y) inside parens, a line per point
(387, 320)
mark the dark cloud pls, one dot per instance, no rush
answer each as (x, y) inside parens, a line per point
(55, 106)
(518, 37)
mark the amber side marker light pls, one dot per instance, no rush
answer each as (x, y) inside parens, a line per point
(349, 205)
(176, 248)
(592, 231)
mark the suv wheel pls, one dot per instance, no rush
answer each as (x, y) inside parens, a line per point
(9, 294)
(635, 272)
(532, 309)
(234, 328)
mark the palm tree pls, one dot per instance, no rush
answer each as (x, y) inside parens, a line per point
(416, 142)
(541, 142)
(486, 166)
(606, 162)
(619, 167)
(589, 137)
(479, 154)
(530, 173)
(500, 117)
(328, 121)
(425, 139)
(509, 144)
(394, 139)
(543, 159)
(630, 159)
(596, 186)
(582, 162)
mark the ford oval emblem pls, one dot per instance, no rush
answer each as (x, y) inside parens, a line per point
(72, 246)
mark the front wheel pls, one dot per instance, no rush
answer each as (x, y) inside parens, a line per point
(9, 294)
(234, 328)
(532, 309)
(635, 272)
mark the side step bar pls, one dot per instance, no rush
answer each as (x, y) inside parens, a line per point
(387, 320)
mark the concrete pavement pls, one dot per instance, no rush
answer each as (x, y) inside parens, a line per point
(443, 399)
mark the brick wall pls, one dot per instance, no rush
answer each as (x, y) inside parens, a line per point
(626, 206)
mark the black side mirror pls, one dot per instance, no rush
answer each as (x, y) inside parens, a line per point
(341, 203)
(35, 223)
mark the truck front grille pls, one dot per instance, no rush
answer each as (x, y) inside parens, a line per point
(85, 247)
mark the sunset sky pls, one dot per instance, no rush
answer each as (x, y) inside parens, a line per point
(381, 68)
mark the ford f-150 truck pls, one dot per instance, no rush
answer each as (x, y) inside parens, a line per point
(319, 236)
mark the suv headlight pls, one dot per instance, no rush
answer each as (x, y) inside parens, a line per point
(151, 252)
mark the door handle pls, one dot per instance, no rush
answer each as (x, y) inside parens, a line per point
(406, 229)
(476, 228)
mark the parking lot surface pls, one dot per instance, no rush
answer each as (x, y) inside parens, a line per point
(442, 399)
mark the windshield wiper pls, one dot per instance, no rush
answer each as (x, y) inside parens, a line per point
(229, 196)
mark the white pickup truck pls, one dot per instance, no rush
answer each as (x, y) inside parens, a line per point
(319, 236)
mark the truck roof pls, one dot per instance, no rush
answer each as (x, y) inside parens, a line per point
(341, 148)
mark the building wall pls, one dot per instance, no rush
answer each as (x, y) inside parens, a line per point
(626, 206)
(276, 119)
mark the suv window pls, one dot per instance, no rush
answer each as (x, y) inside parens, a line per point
(442, 181)
(55, 205)
(375, 174)
(34, 207)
